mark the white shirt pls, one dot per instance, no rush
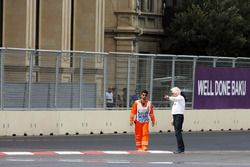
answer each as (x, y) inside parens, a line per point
(109, 97)
(143, 112)
(178, 105)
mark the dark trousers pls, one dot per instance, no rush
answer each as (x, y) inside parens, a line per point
(178, 121)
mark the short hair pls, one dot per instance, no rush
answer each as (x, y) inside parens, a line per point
(176, 90)
(144, 91)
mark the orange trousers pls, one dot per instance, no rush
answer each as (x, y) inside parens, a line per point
(141, 135)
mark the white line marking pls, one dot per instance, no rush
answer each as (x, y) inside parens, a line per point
(95, 152)
(159, 152)
(159, 163)
(20, 160)
(18, 153)
(118, 162)
(68, 152)
(116, 152)
(71, 160)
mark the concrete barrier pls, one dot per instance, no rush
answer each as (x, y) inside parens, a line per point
(33, 123)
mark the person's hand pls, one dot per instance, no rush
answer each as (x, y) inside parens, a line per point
(131, 123)
(153, 124)
(166, 97)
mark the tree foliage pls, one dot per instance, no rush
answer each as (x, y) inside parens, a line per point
(210, 27)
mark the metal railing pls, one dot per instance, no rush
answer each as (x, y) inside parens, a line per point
(36, 79)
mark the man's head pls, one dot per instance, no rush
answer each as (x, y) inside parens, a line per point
(109, 89)
(176, 91)
(144, 95)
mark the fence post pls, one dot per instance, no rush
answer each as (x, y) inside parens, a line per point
(81, 78)
(194, 66)
(151, 78)
(128, 82)
(173, 72)
(233, 63)
(30, 78)
(214, 62)
(104, 80)
(2, 78)
(56, 79)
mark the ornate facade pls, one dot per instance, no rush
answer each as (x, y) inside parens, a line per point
(90, 25)
(82, 25)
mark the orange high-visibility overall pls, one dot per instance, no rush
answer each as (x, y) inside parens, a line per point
(142, 113)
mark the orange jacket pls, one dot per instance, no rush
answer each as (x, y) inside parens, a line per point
(142, 112)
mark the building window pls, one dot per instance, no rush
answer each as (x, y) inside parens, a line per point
(37, 25)
(145, 5)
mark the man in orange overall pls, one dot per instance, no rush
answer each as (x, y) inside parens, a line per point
(141, 110)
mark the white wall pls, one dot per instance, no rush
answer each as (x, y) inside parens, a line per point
(86, 122)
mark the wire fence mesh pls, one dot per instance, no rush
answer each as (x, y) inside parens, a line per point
(54, 79)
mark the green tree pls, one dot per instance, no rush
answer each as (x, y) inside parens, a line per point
(210, 27)
(244, 6)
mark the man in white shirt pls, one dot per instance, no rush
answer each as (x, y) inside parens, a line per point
(109, 98)
(178, 109)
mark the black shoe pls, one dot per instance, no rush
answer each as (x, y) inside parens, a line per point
(178, 152)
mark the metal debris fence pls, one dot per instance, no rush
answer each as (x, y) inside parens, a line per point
(36, 79)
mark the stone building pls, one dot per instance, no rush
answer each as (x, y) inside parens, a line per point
(90, 25)
(82, 25)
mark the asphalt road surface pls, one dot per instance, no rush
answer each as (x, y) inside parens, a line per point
(203, 149)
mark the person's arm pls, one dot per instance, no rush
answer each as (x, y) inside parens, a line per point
(132, 114)
(151, 114)
(177, 98)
